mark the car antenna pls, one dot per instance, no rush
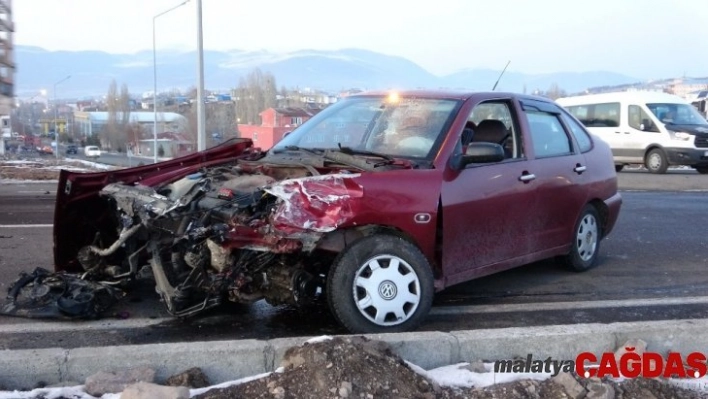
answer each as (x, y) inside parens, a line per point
(500, 75)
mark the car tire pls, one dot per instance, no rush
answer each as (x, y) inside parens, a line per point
(586, 241)
(618, 168)
(702, 170)
(656, 161)
(365, 293)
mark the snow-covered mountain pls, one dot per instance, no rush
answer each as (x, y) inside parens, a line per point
(92, 71)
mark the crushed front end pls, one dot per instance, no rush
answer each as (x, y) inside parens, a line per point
(239, 230)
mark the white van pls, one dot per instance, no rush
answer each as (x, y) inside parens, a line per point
(644, 127)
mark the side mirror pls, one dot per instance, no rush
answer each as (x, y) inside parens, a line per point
(481, 153)
(642, 127)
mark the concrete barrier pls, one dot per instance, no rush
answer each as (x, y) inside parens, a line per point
(229, 360)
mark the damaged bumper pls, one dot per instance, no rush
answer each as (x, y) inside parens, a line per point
(236, 231)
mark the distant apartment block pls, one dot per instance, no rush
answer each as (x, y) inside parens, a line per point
(7, 65)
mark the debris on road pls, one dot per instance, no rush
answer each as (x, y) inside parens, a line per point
(44, 294)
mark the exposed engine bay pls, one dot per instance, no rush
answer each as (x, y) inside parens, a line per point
(240, 231)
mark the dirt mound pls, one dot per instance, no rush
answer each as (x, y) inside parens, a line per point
(342, 367)
(356, 367)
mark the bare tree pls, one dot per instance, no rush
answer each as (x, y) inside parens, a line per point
(221, 119)
(255, 93)
(114, 135)
(110, 129)
(554, 92)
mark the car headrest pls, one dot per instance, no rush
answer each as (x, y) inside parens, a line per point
(491, 130)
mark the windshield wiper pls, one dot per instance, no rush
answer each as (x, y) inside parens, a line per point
(316, 151)
(353, 151)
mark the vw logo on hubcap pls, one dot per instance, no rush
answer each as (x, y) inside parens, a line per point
(388, 290)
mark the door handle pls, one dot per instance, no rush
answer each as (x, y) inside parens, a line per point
(527, 177)
(579, 169)
(627, 132)
(618, 132)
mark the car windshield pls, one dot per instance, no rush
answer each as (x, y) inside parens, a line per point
(390, 125)
(677, 114)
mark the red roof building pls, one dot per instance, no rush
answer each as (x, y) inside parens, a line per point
(275, 123)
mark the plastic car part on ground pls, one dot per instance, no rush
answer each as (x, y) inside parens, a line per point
(43, 294)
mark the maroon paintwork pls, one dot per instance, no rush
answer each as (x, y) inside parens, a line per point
(481, 220)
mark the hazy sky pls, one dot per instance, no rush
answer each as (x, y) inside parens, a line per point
(644, 39)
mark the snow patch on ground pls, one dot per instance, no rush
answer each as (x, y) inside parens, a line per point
(196, 392)
(94, 165)
(459, 376)
(321, 338)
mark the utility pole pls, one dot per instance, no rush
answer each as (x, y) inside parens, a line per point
(201, 111)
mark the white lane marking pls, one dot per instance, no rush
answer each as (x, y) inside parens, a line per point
(541, 306)
(16, 226)
(67, 326)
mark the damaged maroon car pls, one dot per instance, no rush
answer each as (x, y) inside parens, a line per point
(376, 203)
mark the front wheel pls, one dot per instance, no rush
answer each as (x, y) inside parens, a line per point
(586, 241)
(381, 283)
(656, 161)
(702, 170)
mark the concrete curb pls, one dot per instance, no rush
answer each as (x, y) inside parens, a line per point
(230, 360)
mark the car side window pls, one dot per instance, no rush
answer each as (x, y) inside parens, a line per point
(547, 134)
(581, 136)
(597, 115)
(640, 120)
(493, 122)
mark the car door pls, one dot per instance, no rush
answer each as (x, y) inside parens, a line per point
(641, 132)
(487, 208)
(560, 173)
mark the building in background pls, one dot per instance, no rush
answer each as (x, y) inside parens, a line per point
(90, 123)
(7, 70)
(276, 122)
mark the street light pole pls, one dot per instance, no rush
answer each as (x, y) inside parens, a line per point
(154, 79)
(56, 115)
(201, 112)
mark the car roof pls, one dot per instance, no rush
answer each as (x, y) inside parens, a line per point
(631, 96)
(450, 94)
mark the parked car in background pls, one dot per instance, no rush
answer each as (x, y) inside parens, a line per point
(72, 149)
(376, 203)
(650, 128)
(92, 151)
(45, 150)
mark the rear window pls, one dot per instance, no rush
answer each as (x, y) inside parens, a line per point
(581, 136)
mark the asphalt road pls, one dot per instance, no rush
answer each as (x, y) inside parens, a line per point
(652, 268)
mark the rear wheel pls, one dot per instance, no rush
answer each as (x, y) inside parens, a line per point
(586, 241)
(656, 161)
(702, 170)
(381, 283)
(618, 168)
